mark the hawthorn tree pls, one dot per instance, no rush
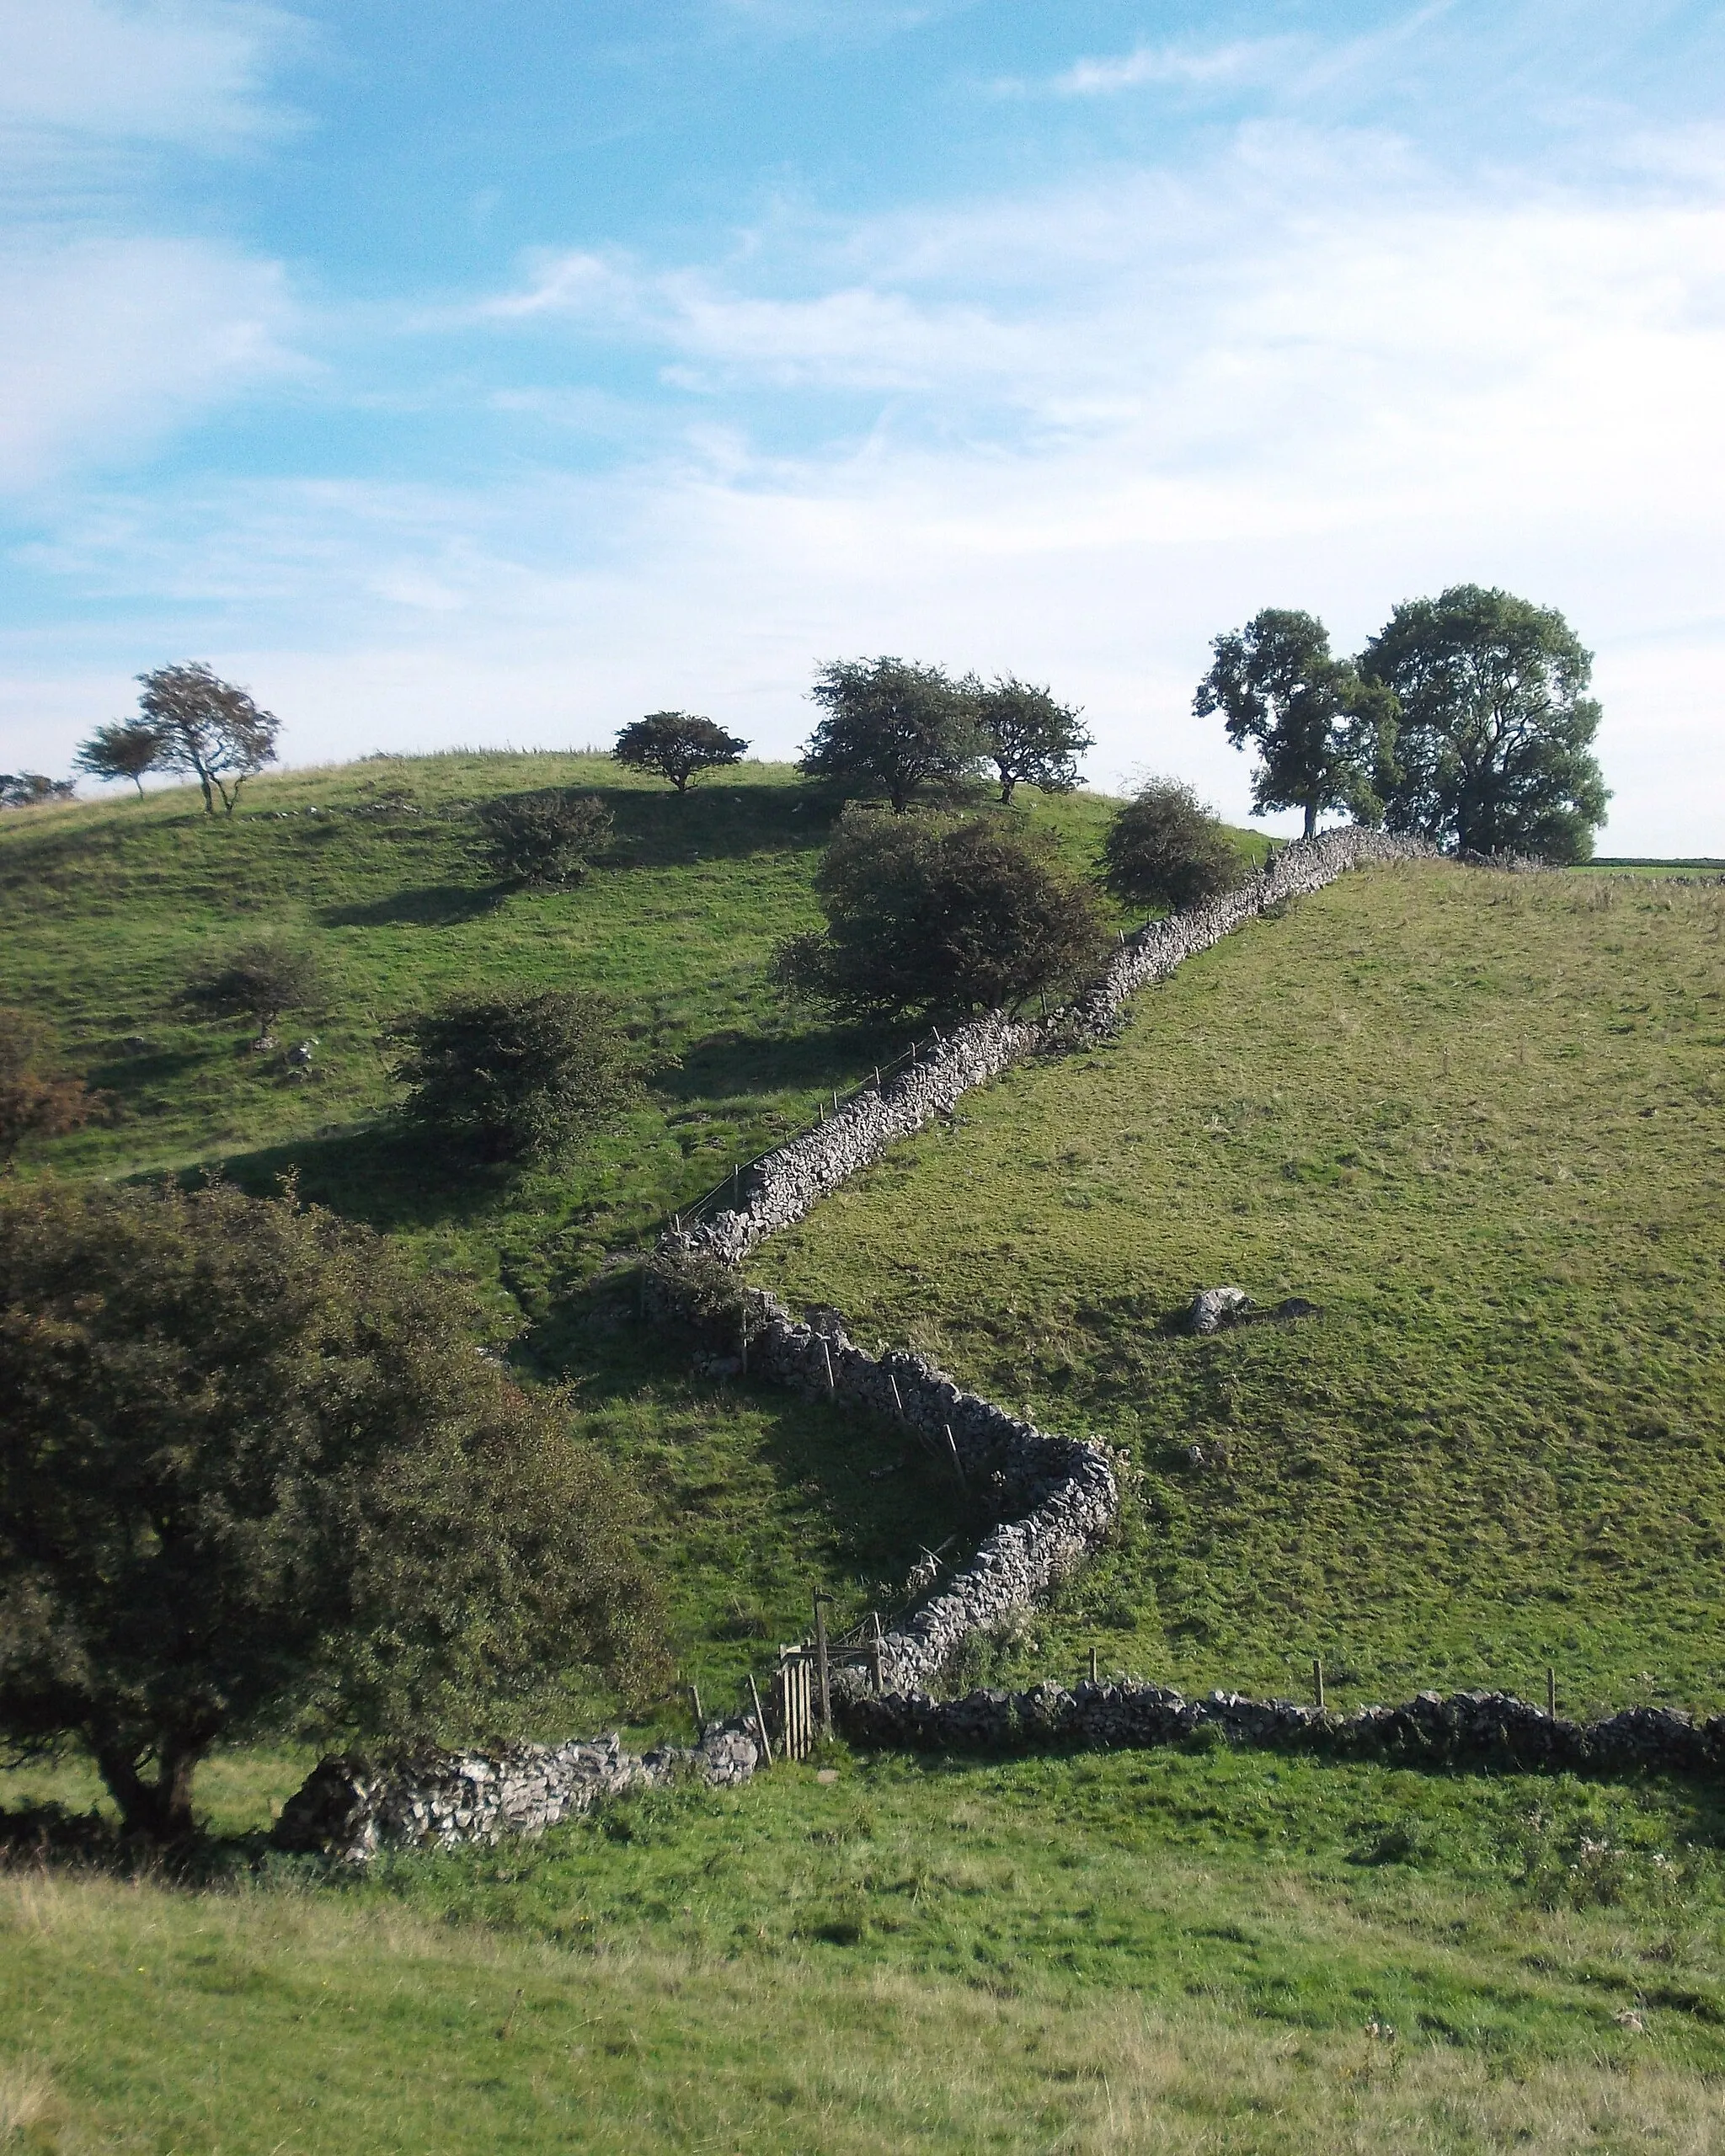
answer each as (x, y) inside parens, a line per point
(1323, 736)
(126, 750)
(1165, 848)
(209, 728)
(521, 1075)
(1494, 752)
(1029, 738)
(255, 1473)
(675, 745)
(38, 1097)
(931, 915)
(546, 838)
(893, 728)
(32, 790)
(259, 981)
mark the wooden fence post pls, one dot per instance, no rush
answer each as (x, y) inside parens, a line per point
(1092, 1665)
(958, 1465)
(820, 1603)
(877, 1655)
(897, 1402)
(1317, 1680)
(700, 1719)
(760, 1720)
(1550, 1692)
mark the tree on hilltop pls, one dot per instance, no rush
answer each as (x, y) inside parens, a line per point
(1165, 848)
(1029, 738)
(676, 746)
(1495, 746)
(126, 749)
(256, 1475)
(209, 728)
(1323, 735)
(893, 728)
(33, 790)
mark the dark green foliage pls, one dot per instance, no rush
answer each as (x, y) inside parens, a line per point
(1495, 747)
(1029, 738)
(1323, 736)
(210, 729)
(521, 1075)
(37, 1097)
(928, 915)
(677, 744)
(126, 750)
(545, 838)
(1166, 849)
(31, 790)
(259, 981)
(256, 1471)
(893, 728)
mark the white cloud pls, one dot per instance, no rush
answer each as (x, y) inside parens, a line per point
(1186, 66)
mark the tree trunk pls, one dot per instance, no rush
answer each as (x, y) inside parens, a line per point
(1006, 786)
(1310, 830)
(160, 1810)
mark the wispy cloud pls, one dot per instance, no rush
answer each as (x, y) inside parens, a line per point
(1189, 66)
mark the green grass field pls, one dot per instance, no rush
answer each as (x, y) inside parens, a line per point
(1475, 1118)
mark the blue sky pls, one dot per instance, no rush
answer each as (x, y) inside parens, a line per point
(459, 374)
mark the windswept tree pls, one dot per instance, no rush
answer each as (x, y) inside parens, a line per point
(210, 730)
(260, 980)
(1029, 738)
(1164, 848)
(32, 790)
(522, 1074)
(893, 728)
(256, 1475)
(1323, 735)
(676, 746)
(127, 748)
(930, 915)
(1495, 747)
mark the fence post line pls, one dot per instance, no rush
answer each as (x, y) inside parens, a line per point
(760, 1720)
(820, 1603)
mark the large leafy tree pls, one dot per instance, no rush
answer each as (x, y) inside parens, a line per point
(256, 1473)
(210, 729)
(1029, 738)
(928, 914)
(1495, 747)
(893, 728)
(676, 746)
(1323, 735)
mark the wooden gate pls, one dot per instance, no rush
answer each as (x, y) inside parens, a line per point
(794, 1700)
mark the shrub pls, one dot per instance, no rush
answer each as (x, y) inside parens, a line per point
(545, 838)
(1166, 849)
(927, 915)
(893, 728)
(677, 744)
(259, 981)
(31, 790)
(524, 1073)
(37, 1098)
(257, 1474)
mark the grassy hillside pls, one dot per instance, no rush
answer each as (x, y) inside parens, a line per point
(1478, 1118)
(1168, 1952)
(107, 908)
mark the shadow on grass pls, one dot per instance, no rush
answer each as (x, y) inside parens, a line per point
(378, 1175)
(432, 905)
(711, 822)
(736, 1064)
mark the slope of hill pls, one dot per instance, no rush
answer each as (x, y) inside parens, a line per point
(1477, 1118)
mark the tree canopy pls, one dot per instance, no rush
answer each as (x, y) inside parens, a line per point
(1029, 738)
(209, 728)
(544, 838)
(893, 728)
(256, 1473)
(1494, 752)
(258, 980)
(520, 1075)
(33, 790)
(1323, 736)
(928, 914)
(1165, 848)
(126, 750)
(676, 746)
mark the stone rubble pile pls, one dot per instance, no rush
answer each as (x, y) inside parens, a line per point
(1463, 1728)
(351, 1808)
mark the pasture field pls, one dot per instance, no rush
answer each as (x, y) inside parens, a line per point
(1167, 1951)
(1479, 1120)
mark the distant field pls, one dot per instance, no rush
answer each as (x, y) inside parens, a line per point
(1478, 1119)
